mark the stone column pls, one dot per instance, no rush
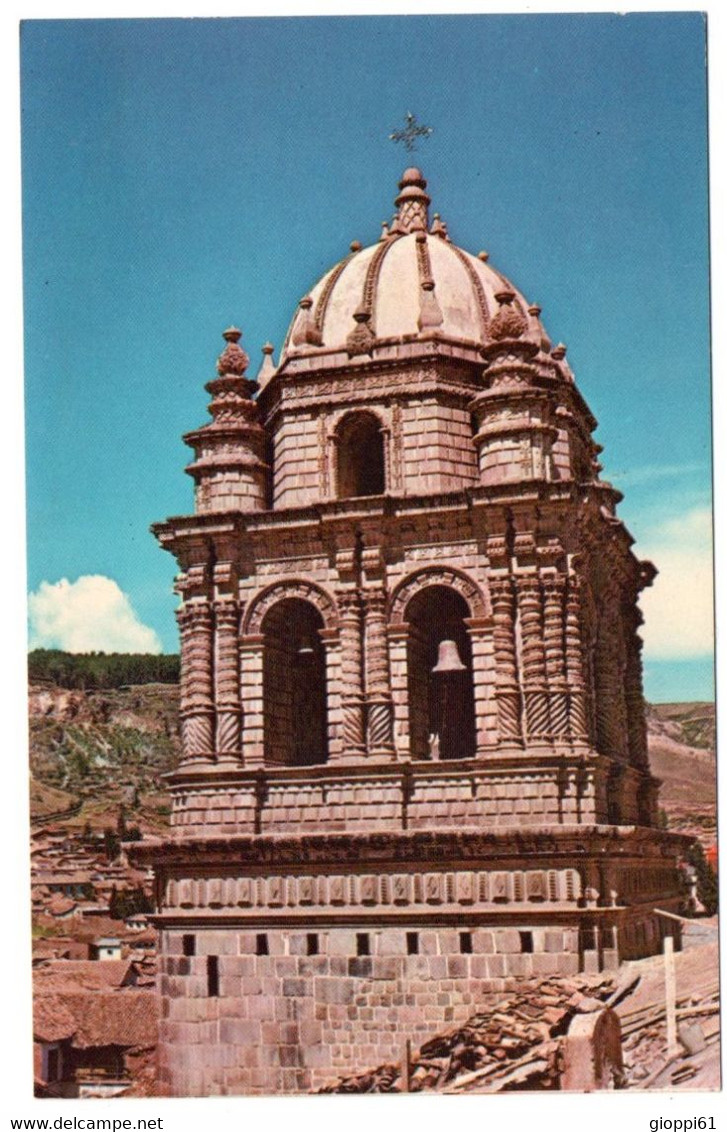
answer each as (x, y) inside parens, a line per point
(483, 677)
(553, 641)
(349, 606)
(577, 711)
(227, 680)
(378, 683)
(507, 689)
(399, 668)
(251, 696)
(530, 605)
(197, 710)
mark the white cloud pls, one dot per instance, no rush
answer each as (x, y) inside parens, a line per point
(91, 614)
(678, 609)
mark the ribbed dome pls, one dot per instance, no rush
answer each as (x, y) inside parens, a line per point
(414, 282)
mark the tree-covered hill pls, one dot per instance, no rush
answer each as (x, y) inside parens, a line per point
(101, 670)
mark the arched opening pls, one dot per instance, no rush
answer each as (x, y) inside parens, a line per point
(360, 456)
(294, 685)
(441, 702)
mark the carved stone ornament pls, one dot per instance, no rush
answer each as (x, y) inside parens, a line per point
(437, 576)
(279, 591)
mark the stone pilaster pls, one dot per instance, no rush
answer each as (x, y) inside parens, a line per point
(378, 683)
(197, 709)
(251, 697)
(399, 669)
(507, 689)
(227, 679)
(352, 699)
(577, 709)
(530, 605)
(483, 678)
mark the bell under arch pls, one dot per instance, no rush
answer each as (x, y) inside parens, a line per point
(295, 726)
(360, 462)
(440, 679)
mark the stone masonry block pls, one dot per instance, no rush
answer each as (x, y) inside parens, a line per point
(338, 991)
(483, 942)
(507, 941)
(236, 1031)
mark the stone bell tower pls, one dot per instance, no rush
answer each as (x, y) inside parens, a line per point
(414, 751)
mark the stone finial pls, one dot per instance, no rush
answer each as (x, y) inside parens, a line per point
(535, 310)
(307, 333)
(484, 256)
(412, 202)
(267, 367)
(558, 351)
(233, 358)
(355, 246)
(509, 321)
(384, 231)
(439, 228)
(361, 338)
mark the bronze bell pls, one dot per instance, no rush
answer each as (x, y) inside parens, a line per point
(448, 660)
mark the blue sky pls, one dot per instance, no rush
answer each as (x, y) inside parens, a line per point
(180, 175)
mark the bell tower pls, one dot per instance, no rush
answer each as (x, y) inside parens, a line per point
(414, 761)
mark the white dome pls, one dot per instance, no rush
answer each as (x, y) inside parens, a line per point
(415, 282)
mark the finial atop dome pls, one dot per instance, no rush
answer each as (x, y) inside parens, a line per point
(412, 202)
(233, 358)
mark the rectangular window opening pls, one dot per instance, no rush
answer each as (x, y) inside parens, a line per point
(363, 943)
(412, 943)
(261, 944)
(526, 942)
(189, 945)
(213, 976)
(465, 943)
(311, 943)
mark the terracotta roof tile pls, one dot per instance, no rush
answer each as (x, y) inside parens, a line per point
(101, 1018)
(52, 1019)
(81, 974)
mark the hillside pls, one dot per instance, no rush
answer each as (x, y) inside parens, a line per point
(105, 749)
(682, 756)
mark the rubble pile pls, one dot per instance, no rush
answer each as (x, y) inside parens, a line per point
(512, 1043)
(643, 1032)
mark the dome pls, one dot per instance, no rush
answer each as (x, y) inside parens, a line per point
(414, 283)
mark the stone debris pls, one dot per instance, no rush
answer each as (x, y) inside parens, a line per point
(514, 1043)
(644, 1037)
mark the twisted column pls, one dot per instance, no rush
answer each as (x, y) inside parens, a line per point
(634, 696)
(227, 679)
(507, 690)
(610, 705)
(378, 681)
(196, 703)
(349, 606)
(554, 646)
(577, 712)
(530, 604)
